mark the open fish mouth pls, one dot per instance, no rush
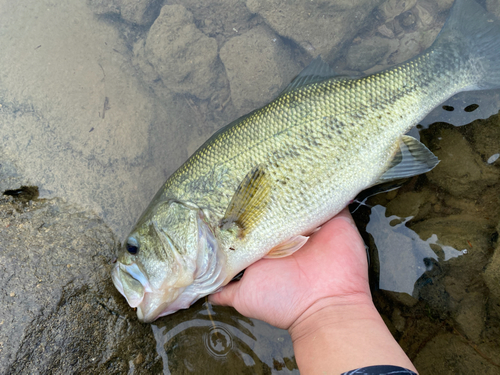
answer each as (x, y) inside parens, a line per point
(131, 283)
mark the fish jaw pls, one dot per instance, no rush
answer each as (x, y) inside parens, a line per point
(150, 302)
(131, 283)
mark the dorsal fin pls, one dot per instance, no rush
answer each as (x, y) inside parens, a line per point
(316, 71)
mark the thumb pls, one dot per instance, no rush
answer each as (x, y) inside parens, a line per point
(226, 296)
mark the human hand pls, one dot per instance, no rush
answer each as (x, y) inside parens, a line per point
(332, 266)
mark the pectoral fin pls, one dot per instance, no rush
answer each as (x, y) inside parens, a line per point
(249, 202)
(287, 248)
(411, 158)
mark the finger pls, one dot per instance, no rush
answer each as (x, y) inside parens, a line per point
(226, 296)
(345, 215)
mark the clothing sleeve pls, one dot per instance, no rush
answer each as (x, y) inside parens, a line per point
(380, 370)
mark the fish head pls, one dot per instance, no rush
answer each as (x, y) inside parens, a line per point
(170, 259)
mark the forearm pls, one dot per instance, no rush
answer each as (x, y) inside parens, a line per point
(332, 338)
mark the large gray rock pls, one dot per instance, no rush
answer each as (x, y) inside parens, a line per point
(185, 58)
(258, 66)
(320, 27)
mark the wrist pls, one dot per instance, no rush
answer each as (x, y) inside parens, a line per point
(336, 335)
(331, 312)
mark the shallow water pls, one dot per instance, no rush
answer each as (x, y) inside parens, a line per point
(90, 113)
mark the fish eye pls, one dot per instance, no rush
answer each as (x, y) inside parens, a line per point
(132, 246)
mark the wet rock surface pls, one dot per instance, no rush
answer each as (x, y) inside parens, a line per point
(60, 312)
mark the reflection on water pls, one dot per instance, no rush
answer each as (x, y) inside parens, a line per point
(403, 257)
(216, 340)
(456, 109)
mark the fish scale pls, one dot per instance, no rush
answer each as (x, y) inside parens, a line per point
(261, 184)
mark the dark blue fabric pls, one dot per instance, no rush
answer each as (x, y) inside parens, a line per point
(380, 370)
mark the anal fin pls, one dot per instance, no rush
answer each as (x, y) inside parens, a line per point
(287, 248)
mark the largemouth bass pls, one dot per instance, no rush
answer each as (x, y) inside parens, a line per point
(259, 186)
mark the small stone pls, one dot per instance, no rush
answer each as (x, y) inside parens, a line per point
(139, 359)
(390, 9)
(426, 14)
(12, 294)
(385, 31)
(398, 321)
(407, 19)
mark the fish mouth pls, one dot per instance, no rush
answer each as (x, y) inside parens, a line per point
(131, 283)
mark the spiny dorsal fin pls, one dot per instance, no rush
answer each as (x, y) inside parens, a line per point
(316, 71)
(287, 248)
(411, 158)
(249, 201)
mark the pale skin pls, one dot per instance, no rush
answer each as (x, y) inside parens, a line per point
(320, 294)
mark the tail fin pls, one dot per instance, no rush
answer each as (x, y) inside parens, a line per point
(477, 35)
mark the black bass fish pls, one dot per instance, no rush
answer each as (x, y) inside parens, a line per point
(259, 186)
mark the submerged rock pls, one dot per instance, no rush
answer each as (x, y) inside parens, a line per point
(219, 18)
(320, 27)
(461, 171)
(185, 59)
(261, 52)
(471, 316)
(450, 353)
